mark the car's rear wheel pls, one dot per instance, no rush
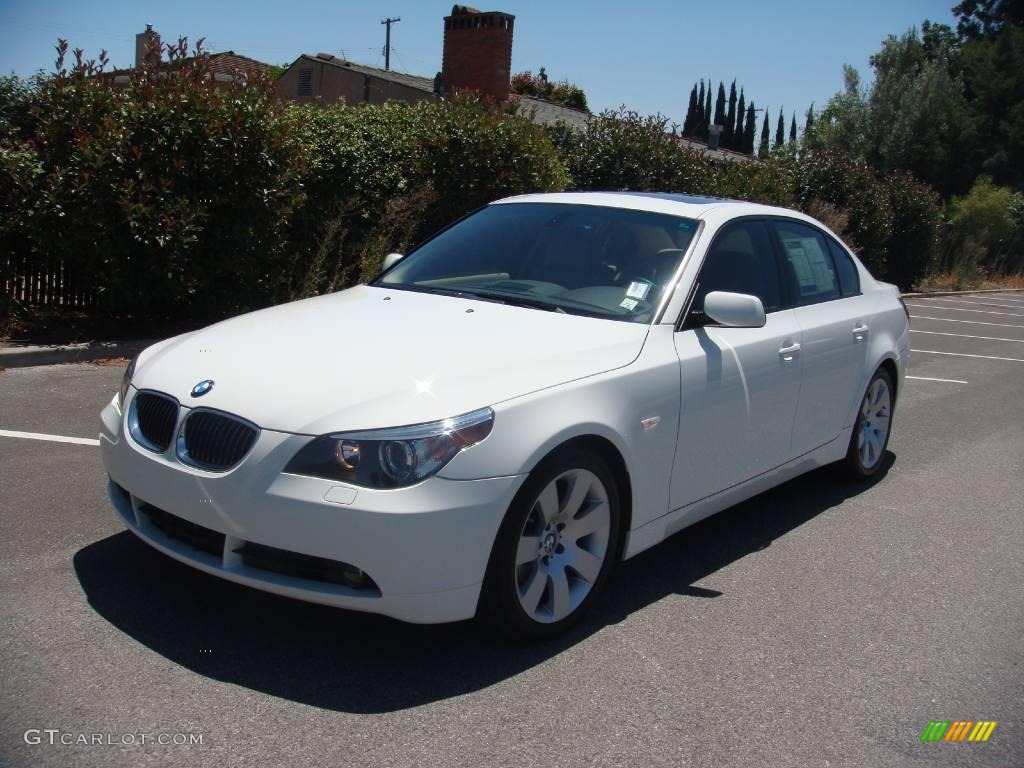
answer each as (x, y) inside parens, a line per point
(555, 547)
(871, 431)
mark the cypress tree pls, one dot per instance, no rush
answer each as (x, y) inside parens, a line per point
(792, 131)
(738, 142)
(698, 125)
(720, 106)
(730, 118)
(750, 129)
(707, 112)
(809, 122)
(691, 112)
(766, 134)
(780, 132)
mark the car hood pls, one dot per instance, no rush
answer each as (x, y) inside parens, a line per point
(373, 357)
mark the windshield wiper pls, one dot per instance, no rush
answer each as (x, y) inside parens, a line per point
(515, 301)
(492, 296)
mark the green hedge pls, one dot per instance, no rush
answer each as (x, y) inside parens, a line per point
(175, 199)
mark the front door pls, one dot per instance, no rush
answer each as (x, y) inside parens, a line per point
(740, 386)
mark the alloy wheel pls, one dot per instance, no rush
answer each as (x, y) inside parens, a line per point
(563, 545)
(875, 414)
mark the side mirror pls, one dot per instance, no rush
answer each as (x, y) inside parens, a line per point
(390, 260)
(735, 310)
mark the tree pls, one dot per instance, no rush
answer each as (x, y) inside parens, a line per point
(730, 118)
(750, 130)
(843, 122)
(780, 132)
(691, 112)
(809, 122)
(699, 126)
(792, 131)
(707, 112)
(720, 106)
(977, 19)
(737, 135)
(993, 75)
(762, 150)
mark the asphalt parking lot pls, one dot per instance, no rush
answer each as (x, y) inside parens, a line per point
(820, 624)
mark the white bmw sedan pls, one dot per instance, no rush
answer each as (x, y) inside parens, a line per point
(551, 384)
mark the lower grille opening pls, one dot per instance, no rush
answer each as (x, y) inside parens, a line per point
(196, 536)
(305, 567)
(121, 491)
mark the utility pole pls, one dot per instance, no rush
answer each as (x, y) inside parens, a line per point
(387, 41)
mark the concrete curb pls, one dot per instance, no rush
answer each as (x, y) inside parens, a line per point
(23, 357)
(54, 354)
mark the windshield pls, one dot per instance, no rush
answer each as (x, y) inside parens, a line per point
(579, 259)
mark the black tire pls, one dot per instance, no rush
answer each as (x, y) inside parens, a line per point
(500, 605)
(854, 464)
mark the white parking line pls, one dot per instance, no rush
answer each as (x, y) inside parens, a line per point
(984, 302)
(972, 322)
(51, 438)
(961, 309)
(945, 381)
(962, 354)
(966, 336)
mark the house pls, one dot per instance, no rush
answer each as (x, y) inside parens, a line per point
(222, 68)
(477, 58)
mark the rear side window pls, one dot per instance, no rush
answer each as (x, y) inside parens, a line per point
(741, 260)
(808, 262)
(849, 278)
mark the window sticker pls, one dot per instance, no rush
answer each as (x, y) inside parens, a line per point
(638, 290)
(629, 304)
(809, 264)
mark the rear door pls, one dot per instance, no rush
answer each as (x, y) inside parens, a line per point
(834, 319)
(739, 386)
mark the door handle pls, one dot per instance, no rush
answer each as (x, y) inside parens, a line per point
(860, 332)
(788, 353)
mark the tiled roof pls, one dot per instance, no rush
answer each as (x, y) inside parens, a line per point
(231, 63)
(401, 78)
(227, 63)
(548, 113)
(717, 154)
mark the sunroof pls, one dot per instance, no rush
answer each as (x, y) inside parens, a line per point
(680, 198)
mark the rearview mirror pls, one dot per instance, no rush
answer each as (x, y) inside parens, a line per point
(390, 260)
(735, 310)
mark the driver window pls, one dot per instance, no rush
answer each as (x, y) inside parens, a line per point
(740, 260)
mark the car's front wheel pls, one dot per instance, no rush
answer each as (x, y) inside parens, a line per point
(871, 430)
(555, 548)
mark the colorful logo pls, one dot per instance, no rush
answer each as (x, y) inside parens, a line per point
(959, 730)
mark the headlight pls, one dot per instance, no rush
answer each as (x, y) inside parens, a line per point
(126, 381)
(391, 458)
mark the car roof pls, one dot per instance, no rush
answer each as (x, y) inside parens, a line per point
(690, 206)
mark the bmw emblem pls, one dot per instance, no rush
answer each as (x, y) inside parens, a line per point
(202, 388)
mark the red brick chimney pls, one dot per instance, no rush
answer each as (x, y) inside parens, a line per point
(477, 52)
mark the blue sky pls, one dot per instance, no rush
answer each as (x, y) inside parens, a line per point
(645, 54)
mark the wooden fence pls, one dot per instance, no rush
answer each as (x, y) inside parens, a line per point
(43, 282)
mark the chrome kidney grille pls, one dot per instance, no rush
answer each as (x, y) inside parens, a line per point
(215, 441)
(151, 420)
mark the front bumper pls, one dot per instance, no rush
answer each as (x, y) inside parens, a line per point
(425, 547)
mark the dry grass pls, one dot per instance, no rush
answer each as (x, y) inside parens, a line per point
(969, 281)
